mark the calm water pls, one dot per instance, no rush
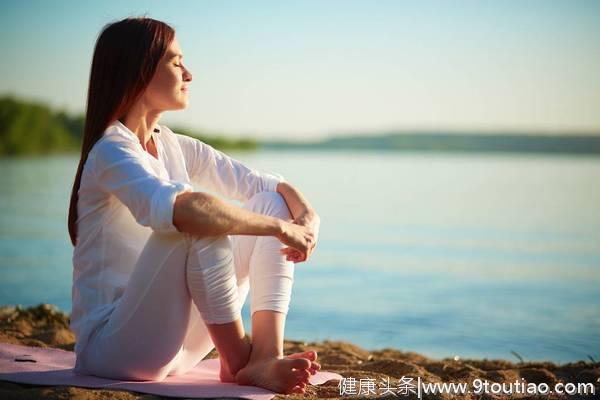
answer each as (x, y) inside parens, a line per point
(469, 255)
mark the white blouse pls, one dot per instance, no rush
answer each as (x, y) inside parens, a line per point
(125, 194)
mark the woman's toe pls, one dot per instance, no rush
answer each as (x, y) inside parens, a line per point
(311, 355)
(300, 363)
(298, 389)
(303, 375)
(306, 376)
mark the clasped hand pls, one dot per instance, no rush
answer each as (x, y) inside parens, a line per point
(301, 236)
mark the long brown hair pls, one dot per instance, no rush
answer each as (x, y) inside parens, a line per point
(126, 55)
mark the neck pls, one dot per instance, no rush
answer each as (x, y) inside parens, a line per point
(142, 123)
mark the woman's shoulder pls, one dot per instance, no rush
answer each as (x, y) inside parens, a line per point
(185, 142)
(117, 132)
(167, 133)
(115, 136)
(115, 146)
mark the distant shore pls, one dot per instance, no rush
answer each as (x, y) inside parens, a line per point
(46, 326)
(445, 142)
(34, 128)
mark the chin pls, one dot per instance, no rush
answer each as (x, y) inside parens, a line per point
(183, 103)
(179, 106)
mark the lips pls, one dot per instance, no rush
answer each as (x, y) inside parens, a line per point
(184, 89)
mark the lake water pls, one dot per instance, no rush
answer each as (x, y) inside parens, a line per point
(443, 254)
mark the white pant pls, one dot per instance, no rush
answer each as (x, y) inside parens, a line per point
(180, 283)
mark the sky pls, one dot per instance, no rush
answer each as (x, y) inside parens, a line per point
(307, 70)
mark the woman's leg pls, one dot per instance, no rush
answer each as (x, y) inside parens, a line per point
(145, 335)
(260, 267)
(270, 277)
(269, 274)
(145, 332)
(148, 335)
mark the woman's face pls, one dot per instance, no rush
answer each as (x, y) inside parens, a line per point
(168, 89)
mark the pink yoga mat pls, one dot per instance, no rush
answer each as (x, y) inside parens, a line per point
(55, 367)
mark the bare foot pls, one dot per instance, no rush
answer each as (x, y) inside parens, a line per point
(226, 376)
(281, 375)
(312, 356)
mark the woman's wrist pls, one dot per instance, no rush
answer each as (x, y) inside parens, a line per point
(278, 228)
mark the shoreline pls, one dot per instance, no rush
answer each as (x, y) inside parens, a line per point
(47, 326)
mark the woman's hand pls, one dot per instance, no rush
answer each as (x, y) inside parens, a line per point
(302, 237)
(306, 223)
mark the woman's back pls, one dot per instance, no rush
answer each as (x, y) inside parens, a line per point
(112, 233)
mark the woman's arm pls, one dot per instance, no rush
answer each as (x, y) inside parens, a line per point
(296, 202)
(220, 173)
(304, 215)
(202, 214)
(216, 171)
(168, 206)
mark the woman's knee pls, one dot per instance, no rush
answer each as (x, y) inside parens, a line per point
(211, 279)
(269, 203)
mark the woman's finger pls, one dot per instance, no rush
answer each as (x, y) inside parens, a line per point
(287, 250)
(292, 254)
(296, 257)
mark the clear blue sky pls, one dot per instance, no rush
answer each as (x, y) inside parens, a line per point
(310, 69)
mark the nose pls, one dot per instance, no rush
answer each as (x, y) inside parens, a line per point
(187, 75)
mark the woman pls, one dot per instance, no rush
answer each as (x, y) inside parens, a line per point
(161, 272)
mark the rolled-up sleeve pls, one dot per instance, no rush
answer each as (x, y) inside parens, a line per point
(223, 174)
(119, 169)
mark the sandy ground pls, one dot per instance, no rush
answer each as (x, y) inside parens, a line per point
(46, 326)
